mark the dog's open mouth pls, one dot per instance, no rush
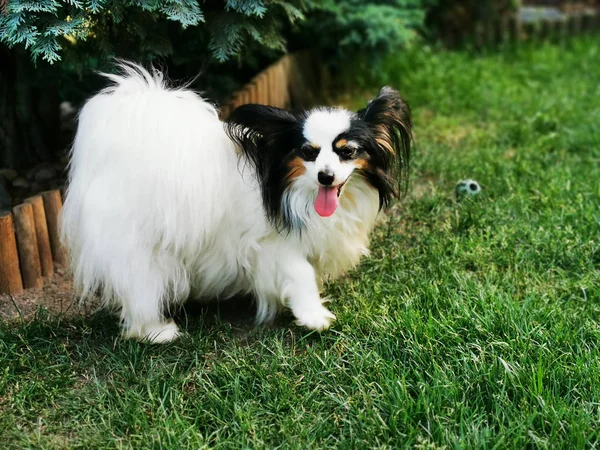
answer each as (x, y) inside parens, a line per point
(327, 199)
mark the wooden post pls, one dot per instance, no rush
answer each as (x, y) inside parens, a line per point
(270, 85)
(280, 80)
(29, 259)
(53, 205)
(235, 101)
(285, 85)
(41, 232)
(285, 80)
(258, 90)
(10, 273)
(264, 87)
(244, 97)
(295, 92)
(275, 85)
(257, 94)
(252, 91)
(263, 98)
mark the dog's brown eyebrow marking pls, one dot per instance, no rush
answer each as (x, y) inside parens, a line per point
(346, 143)
(315, 146)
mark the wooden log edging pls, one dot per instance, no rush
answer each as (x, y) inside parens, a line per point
(10, 272)
(41, 232)
(52, 206)
(30, 244)
(293, 80)
(27, 246)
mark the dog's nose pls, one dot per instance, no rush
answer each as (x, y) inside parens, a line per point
(325, 178)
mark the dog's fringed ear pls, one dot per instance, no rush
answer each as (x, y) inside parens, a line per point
(255, 128)
(265, 136)
(389, 118)
(265, 121)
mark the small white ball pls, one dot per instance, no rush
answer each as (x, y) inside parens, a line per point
(467, 188)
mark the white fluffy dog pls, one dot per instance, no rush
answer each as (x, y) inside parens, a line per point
(165, 201)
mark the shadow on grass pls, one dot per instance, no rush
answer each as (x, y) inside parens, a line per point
(238, 312)
(232, 319)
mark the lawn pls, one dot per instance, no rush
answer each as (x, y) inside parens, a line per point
(474, 324)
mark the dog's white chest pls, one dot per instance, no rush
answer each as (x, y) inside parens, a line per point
(338, 242)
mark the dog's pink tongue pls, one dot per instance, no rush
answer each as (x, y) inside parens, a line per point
(327, 201)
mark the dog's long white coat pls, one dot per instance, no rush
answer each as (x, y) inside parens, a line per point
(160, 206)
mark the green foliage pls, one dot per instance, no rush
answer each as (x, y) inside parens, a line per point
(190, 37)
(49, 27)
(345, 29)
(230, 30)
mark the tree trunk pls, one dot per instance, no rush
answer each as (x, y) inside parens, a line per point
(29, 113)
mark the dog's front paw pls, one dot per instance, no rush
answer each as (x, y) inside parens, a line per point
(316, 318)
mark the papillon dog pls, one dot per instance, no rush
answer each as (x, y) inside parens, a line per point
(166, 202)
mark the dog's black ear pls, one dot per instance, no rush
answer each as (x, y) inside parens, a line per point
(257, 130)
(266, 135)
(254, 128)
(267, 121)
(389, 118)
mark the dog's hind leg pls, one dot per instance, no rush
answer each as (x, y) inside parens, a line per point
(142, 297)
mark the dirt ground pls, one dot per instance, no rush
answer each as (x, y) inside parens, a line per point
(56, 297)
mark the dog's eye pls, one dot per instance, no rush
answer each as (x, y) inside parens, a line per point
(346, 153)
(309, 152)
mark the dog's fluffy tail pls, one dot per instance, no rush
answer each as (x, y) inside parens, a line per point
(134, 79)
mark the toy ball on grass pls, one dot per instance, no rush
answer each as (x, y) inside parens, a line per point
(467, 188)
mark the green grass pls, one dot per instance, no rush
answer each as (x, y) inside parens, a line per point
(472, 325)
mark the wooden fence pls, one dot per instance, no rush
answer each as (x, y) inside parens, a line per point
(511, 29)
(295, 80)
(29, 236)
(30, 244)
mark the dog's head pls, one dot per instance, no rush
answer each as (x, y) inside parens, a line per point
(315, 152)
